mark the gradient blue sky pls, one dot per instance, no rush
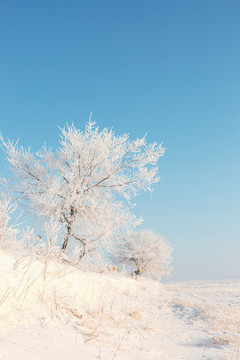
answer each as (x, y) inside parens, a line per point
(166, 68)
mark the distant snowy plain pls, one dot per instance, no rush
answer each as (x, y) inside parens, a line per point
(49, 310)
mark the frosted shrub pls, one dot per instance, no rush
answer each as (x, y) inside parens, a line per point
(143, 252)
(8, 233)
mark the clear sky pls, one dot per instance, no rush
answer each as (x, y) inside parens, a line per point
(166, 68)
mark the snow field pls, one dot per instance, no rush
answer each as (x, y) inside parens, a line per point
(215, 305)
(51, 310)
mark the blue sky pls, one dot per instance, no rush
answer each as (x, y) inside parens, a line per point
(166, 68)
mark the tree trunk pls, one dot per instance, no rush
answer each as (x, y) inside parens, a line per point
(69, 229)
(66, 239)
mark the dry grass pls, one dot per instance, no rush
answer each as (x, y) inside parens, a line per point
(112, 314)
(106, 314)
(223, 321)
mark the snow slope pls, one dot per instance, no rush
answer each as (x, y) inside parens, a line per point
(49, 310)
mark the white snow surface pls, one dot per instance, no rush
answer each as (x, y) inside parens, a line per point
(50, 310)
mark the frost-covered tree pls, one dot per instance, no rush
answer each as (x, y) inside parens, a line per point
(87, 184)
(144, 252)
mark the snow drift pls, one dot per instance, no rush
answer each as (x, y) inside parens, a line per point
(99, 308)
(51, 310)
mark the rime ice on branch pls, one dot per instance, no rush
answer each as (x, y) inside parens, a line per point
(88, 183)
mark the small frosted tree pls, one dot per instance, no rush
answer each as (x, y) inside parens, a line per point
(144, 252)
(87, 184)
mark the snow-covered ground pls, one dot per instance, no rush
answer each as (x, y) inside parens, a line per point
(53, 311)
